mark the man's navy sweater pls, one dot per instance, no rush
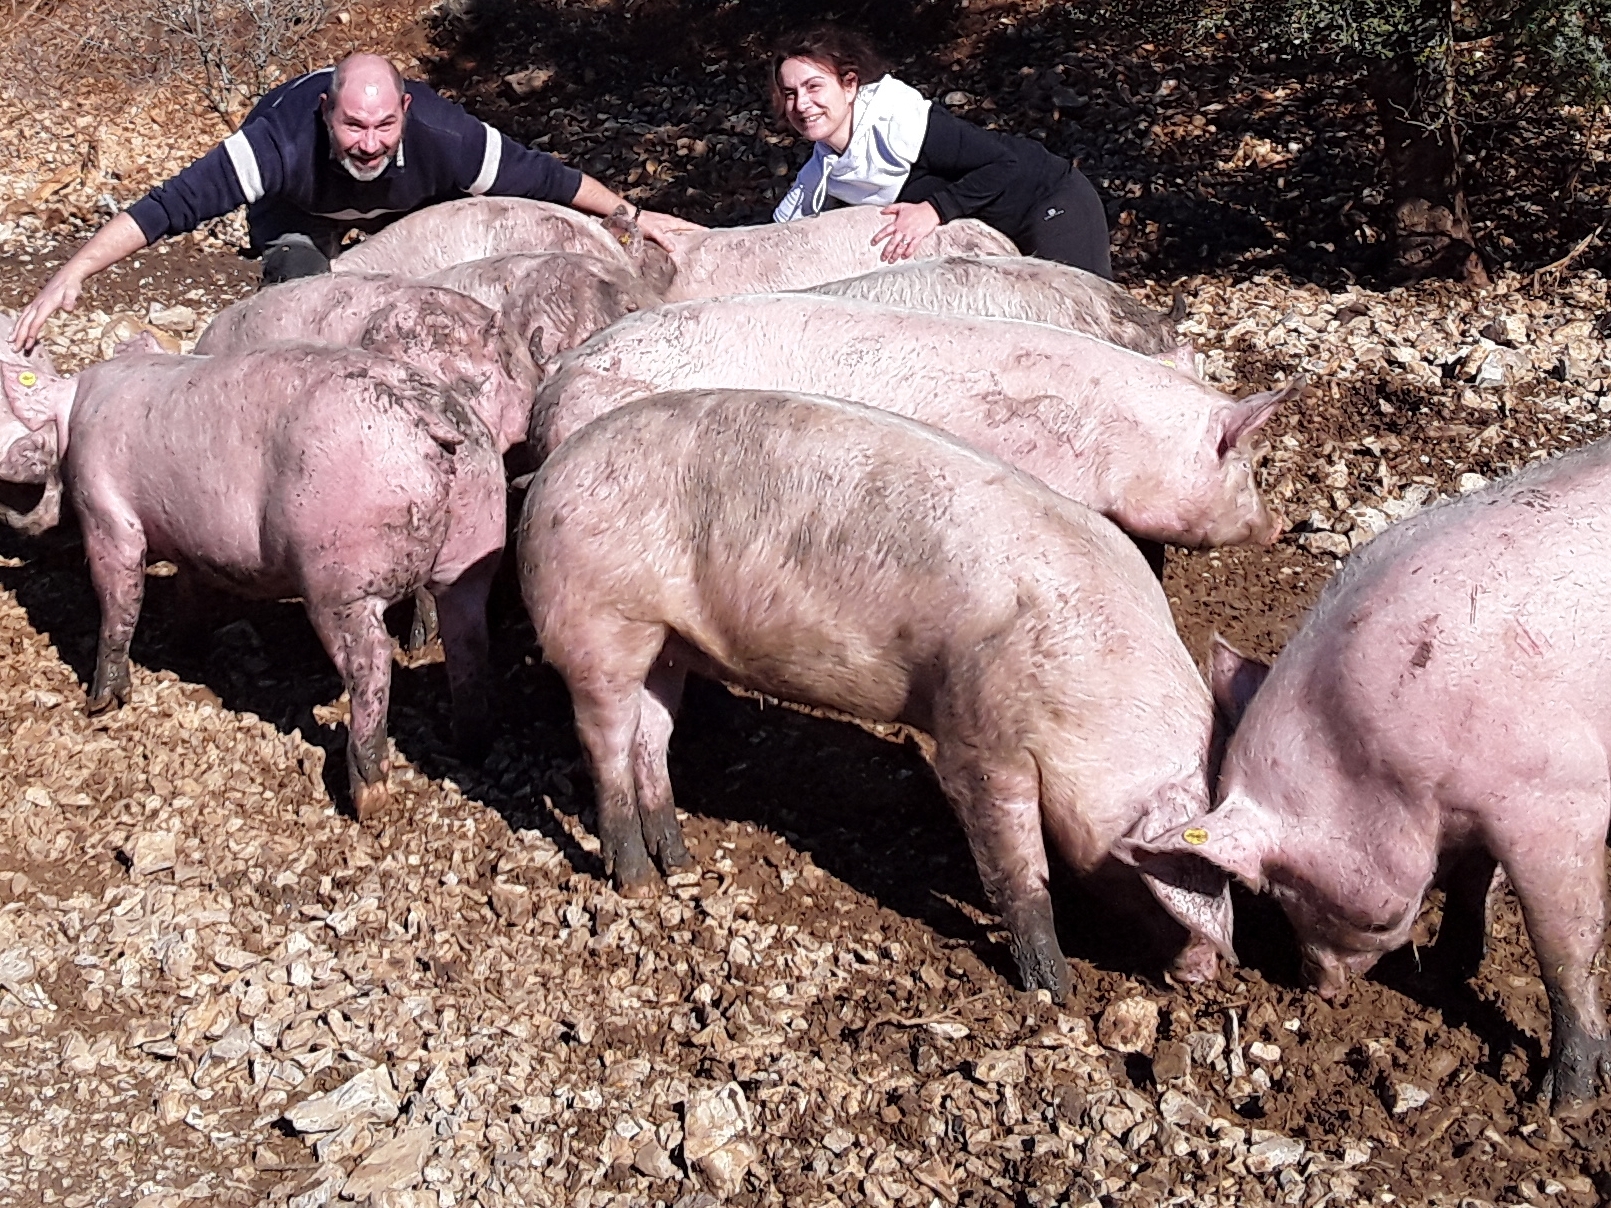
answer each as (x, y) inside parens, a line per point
(282, 152)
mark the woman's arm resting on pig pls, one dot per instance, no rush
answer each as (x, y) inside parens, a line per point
(593, 198)
(119, 238)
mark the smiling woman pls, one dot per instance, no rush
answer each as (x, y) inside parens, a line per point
(881, 142)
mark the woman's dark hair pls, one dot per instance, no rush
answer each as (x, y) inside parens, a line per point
(846, 52)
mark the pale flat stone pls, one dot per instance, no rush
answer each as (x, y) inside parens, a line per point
(366, 1096)
(394, 1165)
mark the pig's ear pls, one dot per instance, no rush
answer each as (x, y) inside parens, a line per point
(1236, 838)
(1243, 418)
(1234, 678)
(30, 393)
(1198, 897)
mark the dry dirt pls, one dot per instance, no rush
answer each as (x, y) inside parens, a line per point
(215, 986)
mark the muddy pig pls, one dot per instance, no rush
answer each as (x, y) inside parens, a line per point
(797, 255)
(551, 301)
(440, 331)
(1446, 705)
(1159, 453)
(330, 474)
(474, 228)
(1022, 287)
(843, 557)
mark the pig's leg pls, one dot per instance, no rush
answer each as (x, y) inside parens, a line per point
(1560, 878)
(115, 547)
(657, 713)
(998, 801)
(607, 696)
(426, 624)
(462, 609)
(1463, 934)
(355, 637)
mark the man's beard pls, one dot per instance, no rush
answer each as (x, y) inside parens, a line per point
(364, 174)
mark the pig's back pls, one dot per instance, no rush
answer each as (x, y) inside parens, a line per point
(334, 310)
(769, 257)
(1489, 606)
(474, 228)
(1015, 287)
(493, 280)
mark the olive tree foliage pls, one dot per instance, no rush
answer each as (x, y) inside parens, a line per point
(238, 49)
(1414, 54)
(229, 51)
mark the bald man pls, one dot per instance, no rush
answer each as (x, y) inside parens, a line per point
(352, 146)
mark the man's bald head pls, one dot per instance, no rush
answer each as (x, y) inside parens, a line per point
(368, 76)
(364, 112)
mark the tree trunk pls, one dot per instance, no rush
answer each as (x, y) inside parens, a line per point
(1431, 225)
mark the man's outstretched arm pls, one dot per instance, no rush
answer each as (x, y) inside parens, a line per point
(119, 238)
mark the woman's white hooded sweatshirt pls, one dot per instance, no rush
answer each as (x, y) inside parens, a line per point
(888, 122)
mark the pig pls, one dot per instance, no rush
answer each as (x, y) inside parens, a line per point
(331, 474)
(440, 331)
(1158, 452)
(1022, 287)
(797, 255)
(1445, 706)
(552, 301)
(843, 557)
(473, 228)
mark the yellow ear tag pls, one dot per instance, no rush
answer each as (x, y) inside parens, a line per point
(1196, 836)
(28, 377)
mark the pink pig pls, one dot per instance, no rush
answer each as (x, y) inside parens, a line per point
(797, 255)
(838, 555)
(1446, 705)
(439, 331)
(330, 474)
(1161, 454)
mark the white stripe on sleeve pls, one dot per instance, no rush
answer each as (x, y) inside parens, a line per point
(490, 159)
(244, 160)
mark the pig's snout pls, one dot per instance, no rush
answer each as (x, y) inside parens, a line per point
(1273, 530)
(1329, 971)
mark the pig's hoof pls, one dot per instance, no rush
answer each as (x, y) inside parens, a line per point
(1580, 1069)
(102, 703)
(370, 800)
(664, 840)
(639, 889)
(1043, 967)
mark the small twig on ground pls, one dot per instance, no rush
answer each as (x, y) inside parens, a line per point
(1558, 266)
(945, 1016)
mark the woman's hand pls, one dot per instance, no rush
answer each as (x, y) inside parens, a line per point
(910, 224)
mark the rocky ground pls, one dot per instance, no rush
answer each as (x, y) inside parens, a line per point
(215, 986)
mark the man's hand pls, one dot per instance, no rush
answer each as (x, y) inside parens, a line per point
(119, 238)
(660, 228)
(910, 224)
(60, 293)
